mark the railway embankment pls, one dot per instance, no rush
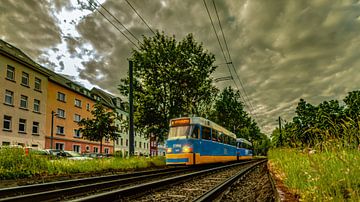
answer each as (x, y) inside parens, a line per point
(309, 175)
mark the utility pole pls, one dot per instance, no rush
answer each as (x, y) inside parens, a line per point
(280, 136)
(131, 110)
(52, 129)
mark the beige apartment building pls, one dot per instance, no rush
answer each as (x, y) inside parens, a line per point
(23, 94)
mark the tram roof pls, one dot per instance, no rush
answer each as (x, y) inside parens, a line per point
(206, 122)
(243, 140)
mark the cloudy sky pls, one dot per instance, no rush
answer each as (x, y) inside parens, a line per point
(282, 50)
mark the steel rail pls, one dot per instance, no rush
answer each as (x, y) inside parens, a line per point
(136, 189)
(218, 190)
(55, 189)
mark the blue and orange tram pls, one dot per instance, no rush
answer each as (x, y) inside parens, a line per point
(196, 140)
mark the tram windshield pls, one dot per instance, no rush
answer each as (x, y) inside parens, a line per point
(179, 132)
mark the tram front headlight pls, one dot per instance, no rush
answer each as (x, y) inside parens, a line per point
(186, 149)
(168, 150)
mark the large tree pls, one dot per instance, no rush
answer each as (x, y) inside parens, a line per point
(229, 112)
(171, 79)
(101, 126)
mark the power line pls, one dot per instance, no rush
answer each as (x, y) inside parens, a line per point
(222, 50)
(112, 24)
(117, 21)
(140, 17)
(232, 64)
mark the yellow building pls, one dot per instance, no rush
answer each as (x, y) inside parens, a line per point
(70, 102)
(23, 94)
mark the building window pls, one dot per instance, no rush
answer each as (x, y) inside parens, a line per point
(35, 129)
(135, 143)
(139, 144)
(37, 84)
(61, 113)
(59, 146)
(36, 105)
(9, 97)
(5, 143)
(7, 123)
(88, 106)
(96, 150)
(147, 145)
(60, 130)
(34, 145)
(121, 142)
(77, 133)
(87, 148)
(76, 148)
(61, 97)
(22, 125)
(106, 150)
(78, 103)
(25, 79)
(10, 73)
(24, 101)
(144, 145)
(77, 118)
(127, 142)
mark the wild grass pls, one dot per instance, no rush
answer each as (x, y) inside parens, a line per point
(14, 164)
(330, 175)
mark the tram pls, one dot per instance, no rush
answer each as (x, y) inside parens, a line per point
(196, 140)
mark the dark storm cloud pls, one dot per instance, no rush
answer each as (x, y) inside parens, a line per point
(282, 50)
(29, 25)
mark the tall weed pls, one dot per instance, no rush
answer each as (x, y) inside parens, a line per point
(333, 174)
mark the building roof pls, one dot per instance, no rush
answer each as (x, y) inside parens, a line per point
(93, 94)
(16, 54)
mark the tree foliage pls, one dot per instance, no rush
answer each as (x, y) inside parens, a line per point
(171, 79)
(101, 126)
(317, 125)
(229, 112)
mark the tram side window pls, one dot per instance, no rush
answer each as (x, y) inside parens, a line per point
(233, 142)
(226, 139)
(214, 135)
(196, 132)
(206, 133)
(221, 138)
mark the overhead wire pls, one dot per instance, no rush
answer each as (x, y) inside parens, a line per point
(113, 24)
(222, 50)
(140, 17)
(118, 21)
(232, 64)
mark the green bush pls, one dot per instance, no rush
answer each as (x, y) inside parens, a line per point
(15, 164)
(330, 175)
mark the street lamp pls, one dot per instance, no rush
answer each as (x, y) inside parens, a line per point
(52, 128)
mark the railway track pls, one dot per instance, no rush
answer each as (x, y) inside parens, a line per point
(60, 190)
(133, 186)
(186, 187)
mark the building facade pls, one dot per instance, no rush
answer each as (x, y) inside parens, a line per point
(121, 145)
(23, 95)
(70, 102)
(41, 109)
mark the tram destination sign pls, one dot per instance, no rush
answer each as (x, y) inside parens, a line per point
(180, 122)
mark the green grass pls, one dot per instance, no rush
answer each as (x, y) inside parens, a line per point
(332, 175)
(14, 164)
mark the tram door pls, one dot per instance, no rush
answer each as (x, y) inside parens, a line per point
(205, 144)
(195, 136)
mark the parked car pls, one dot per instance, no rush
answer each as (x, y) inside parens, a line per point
(96, 155)
(72, 155)
(53, 152)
